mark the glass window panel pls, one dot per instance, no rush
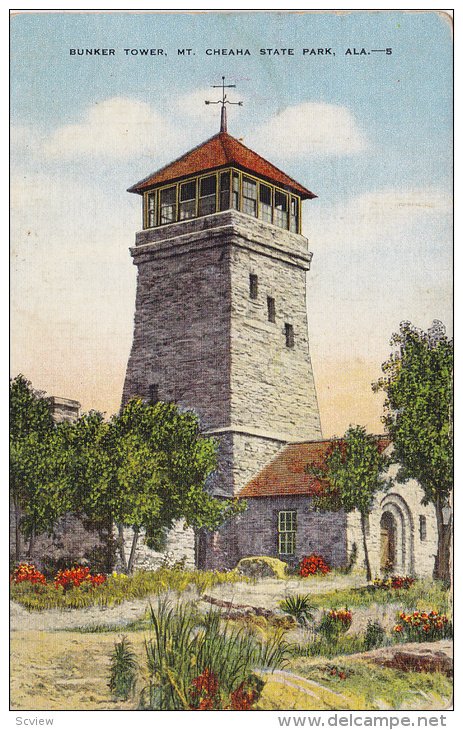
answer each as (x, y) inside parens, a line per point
(225, 190)
(151, 218)
(208, 185)
(265, 203)
(294, 216)
(188, 190)
(281, 209)
(249, 196)
(236, 191)
(168, 207)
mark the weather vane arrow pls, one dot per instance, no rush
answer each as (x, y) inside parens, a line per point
(224, 101)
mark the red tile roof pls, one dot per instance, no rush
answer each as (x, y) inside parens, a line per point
(287, 472)
(220, 150)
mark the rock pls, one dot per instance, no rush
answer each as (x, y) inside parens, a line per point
(436, 656)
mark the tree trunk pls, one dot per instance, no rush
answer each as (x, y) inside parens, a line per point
(133, 550)
(444, 533)
(17, 536)
(30, 549)
(121, 545)
(363, 521)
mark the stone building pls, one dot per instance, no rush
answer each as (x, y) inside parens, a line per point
(221, 327)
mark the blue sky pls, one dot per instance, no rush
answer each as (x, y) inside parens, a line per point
(370, 135)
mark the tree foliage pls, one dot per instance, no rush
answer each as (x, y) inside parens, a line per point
(352, 475)
(418, 382)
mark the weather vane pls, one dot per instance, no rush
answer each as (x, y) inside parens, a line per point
(223, 101)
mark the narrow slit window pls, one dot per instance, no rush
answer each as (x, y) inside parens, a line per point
(422, 527)
(187, 203)
(265, 203)
(289, 335)
(225, 190)
(249, 196)
(281, 209)
(287, 527)
(168, 205)
(208, 188)
(253, 286)
(271, 309)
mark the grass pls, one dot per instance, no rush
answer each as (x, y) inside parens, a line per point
(119, 588)
(376, 687)
(186, 645)
(422, 595)
(124, 669)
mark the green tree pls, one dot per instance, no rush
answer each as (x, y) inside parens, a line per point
(352, 476)
(418, 416)
(157, 466)
(38, 485)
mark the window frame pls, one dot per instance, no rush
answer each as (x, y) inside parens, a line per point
(234, 174)
(287, 532)
(289, 335)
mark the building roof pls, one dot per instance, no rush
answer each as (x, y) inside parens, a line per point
(220, 150)
(287, 473)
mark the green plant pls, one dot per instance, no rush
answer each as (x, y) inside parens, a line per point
(299, 607)
(334, 623)
(423, 626)
(374, 635)
(186, 643)
(124, 667)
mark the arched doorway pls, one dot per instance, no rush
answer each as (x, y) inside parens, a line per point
(396, 536)
(388, 542)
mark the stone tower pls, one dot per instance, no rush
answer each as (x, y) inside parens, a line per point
(220, 321)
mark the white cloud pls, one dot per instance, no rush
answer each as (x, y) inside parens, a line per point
(387, 215)
(117, 128)
(311, 128)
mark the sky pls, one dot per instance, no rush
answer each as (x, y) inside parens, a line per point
(370, 133)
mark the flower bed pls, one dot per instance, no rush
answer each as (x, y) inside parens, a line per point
(76, 576)
(28, 573)
(335, 622)
(396, 582)
(423, 626)
(313, 565)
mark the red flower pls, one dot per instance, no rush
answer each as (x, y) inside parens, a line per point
(312, 564)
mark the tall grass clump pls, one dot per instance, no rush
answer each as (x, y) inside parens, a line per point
(197, 662)
(124, 667)
(299, 607)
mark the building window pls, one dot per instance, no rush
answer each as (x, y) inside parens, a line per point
(287, 532)
(207, 192)
(153, 394)
(422, 527)
(271, 309)
(225, 190)
(265, 203)
(236, 191)
(281, 209)
(249, 197)
(151, 210)
(289, 334)
(187, 206)
(253, 283)
(168, 205)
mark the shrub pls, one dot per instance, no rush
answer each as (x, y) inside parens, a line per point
(28, 573)
(334, 623)
(194, 660)
(299, 607)
(262, 567)
(423, 626)
(374, 635)
(396, 582)
(124, 668)
(313, 564)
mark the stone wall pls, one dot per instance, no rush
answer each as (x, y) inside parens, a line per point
(73, 540)
(179, 546)
(255, 532)
(414, 555)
